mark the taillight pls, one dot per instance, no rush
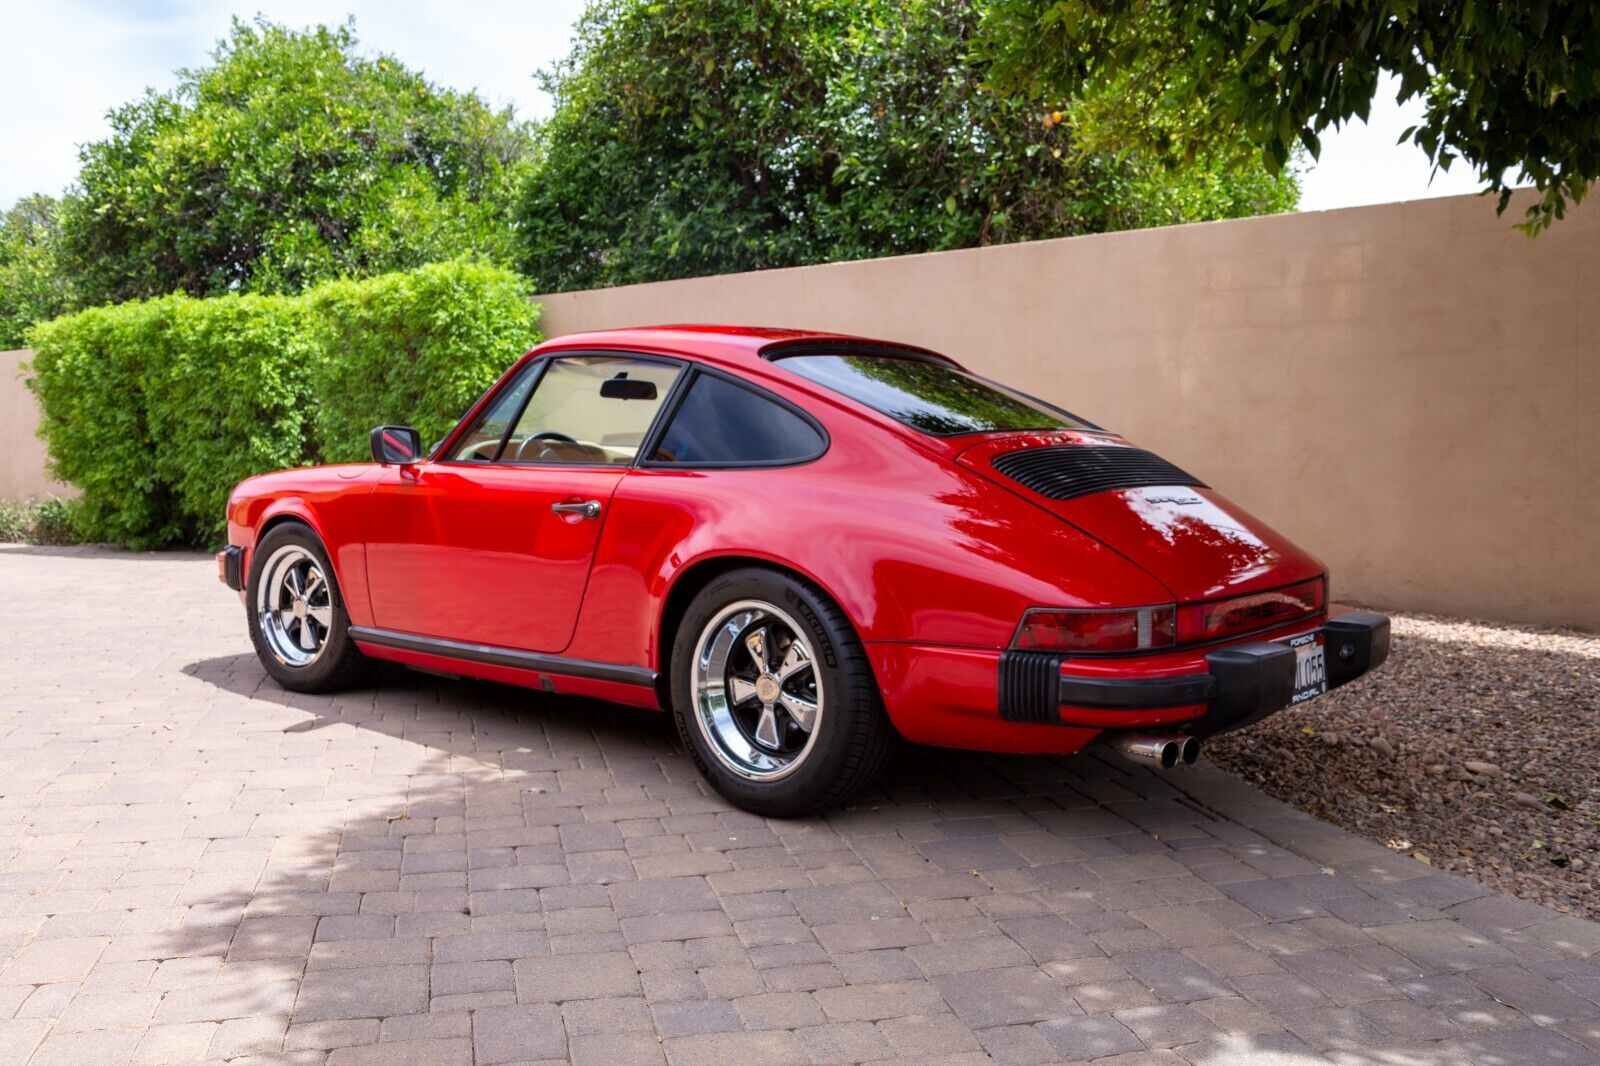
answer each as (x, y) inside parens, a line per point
(1121, 629)
(1245, 614)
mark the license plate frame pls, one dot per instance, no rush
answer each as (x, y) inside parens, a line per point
(1310, 666)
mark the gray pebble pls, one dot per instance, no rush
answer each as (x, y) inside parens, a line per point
(1486, 769)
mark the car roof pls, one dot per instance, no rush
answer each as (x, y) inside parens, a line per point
(738, 347)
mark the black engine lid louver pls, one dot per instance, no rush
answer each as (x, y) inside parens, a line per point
(1073, 470)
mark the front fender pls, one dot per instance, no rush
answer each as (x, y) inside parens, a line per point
(332, 501)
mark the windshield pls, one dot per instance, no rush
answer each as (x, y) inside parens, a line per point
(930, 396)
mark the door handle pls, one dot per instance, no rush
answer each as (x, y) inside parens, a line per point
(586, 509)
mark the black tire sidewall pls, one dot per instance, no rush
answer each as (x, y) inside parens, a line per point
(838, 655)
(317, 675)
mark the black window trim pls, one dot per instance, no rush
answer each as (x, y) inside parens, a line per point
(776, 353)
(534, 369)
(669, 411)
(481, 406)
(537, 367)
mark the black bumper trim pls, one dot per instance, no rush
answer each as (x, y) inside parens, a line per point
(1253, 680)
(1028, 687)
(498, 656)
(233, 567)
(1355, 643)
(1243, 683)
(1137, 694)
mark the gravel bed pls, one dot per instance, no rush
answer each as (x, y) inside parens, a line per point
(1475, 748)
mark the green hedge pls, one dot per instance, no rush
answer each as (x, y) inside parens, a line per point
(156, 408)
(424, 343)
(89, 373)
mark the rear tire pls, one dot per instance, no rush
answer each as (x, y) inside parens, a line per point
(296, 614)
(773, 695)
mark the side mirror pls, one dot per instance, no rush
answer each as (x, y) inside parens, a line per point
(396, 445)
(625, 388)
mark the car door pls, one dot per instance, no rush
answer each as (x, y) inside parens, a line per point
(492, 542)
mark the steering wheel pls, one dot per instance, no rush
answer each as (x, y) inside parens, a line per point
(539, 438)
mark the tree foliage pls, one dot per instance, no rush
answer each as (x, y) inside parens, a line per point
(289, 160)
(1510, 88)
(707, 136)
(32, 285)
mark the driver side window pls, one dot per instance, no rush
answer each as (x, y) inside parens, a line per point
(590, 409)
(482, 443)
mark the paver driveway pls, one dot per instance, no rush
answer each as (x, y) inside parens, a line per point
(196, 865)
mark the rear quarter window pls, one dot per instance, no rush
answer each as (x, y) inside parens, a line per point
(723, 424)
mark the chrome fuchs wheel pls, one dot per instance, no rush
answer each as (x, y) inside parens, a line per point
(296, 615)
(776, 705)
(294, 606)
(757, 692)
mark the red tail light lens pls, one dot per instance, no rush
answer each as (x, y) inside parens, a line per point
(1124, 629)
(1246, 614)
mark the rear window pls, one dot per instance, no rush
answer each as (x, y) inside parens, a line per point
(930, 396)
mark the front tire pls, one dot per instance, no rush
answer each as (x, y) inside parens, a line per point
(773, 695)
(296, 614)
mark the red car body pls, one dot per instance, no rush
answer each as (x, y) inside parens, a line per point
(933, 554)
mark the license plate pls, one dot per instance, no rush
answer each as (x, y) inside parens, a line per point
(1310, 667)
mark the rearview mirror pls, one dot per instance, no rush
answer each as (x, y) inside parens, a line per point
(396, 445)
(622, 388)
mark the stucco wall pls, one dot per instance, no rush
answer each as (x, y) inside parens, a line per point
(1411, 391)
(22, 456)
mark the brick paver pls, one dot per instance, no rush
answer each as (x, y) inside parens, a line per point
(198, 866)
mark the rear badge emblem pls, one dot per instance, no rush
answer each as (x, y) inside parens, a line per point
(1181, 501)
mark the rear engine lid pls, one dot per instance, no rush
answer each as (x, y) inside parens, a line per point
(1192, 539)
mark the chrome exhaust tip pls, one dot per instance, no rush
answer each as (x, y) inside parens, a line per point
(1166, 750)
(1189, 751)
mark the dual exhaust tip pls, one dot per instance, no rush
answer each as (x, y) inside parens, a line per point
(1166, 750)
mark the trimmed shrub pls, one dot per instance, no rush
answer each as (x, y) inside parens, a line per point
(230, 396)
(89, 372)
(52, 520)
(155, 409)
(414, 348)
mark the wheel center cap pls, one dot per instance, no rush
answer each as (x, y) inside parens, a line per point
(767, 689)
(299, 608)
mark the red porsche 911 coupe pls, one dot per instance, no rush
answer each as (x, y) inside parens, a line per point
(803, 545)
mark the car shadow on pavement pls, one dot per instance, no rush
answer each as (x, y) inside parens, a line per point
(420, 845)
(490, 722)
(459, 870)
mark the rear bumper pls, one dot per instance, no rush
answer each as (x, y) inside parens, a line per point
(1241, 683)
(983, 700)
